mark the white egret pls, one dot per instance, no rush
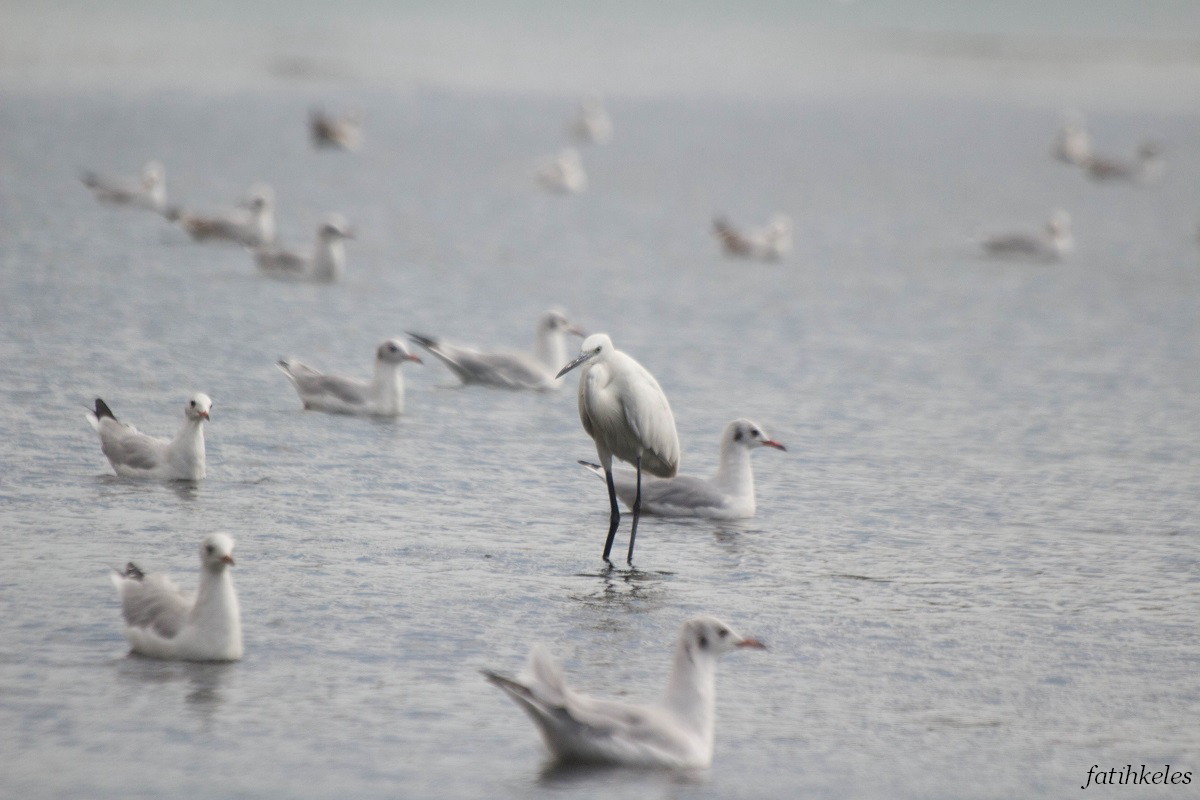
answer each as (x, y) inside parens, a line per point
(677, 732)
(624, 410)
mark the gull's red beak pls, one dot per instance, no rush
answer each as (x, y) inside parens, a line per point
(203, 414)
(227, 560)
(415, 358)
(754, 644)
(578, 331)
(773, 443)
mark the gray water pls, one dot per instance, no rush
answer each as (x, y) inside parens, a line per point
(977, 566)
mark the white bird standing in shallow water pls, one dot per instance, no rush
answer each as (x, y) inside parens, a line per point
(509, 369)
(149, 190)
(624, 410)
(137, 455)
(677, 732)
(163, 622)
(324, 265)
(382, 396)
(727, 495)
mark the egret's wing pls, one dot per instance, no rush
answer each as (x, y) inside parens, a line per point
(649, 417)
(153, 602)
(124, 445)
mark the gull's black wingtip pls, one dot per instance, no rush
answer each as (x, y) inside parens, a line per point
(102, 410)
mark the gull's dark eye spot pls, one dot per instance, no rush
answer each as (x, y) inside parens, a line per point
(703, 642)
(193, 404)
(391, 348)
(737, 437)
(754, 432)
(208, 548)
(723, 632)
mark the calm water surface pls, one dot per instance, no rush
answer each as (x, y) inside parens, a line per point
(977, 566)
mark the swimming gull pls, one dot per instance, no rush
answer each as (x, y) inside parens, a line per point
(1054, 243)
(677, 732)
(163, 622)
(137, 455)
(324, 264)
(769, 243)
(148, 190)
(382, 396)
(251, 224)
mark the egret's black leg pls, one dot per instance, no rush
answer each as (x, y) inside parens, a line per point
(614, 518)
(637, 510)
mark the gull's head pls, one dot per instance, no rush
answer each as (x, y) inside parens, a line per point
(153, 174)
(394, 351)
(744, 433)
(335, 227)
(556, 321)
(780, 224)
(198, 407)
(1059, 224)
(259, 197)
(595, 347)
(709, 636)
(216, 552)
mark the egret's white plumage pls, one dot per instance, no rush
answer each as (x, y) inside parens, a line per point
(138, 455)
(324, 264)
(768, 243)
(626, 413)
(677, 732)
(1053, 243)
(563, 173)
(148, 190)
(251, 224)
(163, 622)
(728, 494)
(382, 396)
(510, 369)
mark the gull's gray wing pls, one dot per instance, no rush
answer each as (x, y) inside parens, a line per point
(125, 446)
(311, 383)
(682, 494)
(509, 370)
(154, 602)
(284, 262)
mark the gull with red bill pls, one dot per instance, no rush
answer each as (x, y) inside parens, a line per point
(163, 622)
(729, 494)
(382, 396)
(137, 455)
(677, 732)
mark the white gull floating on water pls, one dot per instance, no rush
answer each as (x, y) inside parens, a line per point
(163, 622)
(251, 224)
(626, 413)
(1053, 244)
(1147, 167)
(729, 494)
(342, 132)
(382, 396)
(138, 455)
(769, 243)
(562, 173)
(591, 123)
(148, 190)
(325, 264)
(510, 369)
(677, 732)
